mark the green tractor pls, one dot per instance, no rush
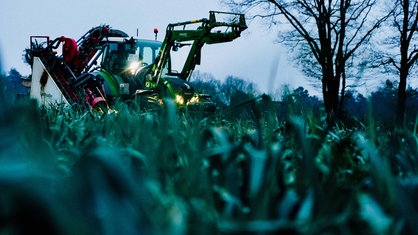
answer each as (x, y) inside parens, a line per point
(106, 65)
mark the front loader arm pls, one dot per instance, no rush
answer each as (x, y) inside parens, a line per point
(208, 31)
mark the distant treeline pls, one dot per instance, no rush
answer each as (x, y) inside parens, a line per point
(236, 96)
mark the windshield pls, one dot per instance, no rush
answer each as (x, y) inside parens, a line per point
(147, 51)
(128, 56)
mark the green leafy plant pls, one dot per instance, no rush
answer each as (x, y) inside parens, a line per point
(133, 172)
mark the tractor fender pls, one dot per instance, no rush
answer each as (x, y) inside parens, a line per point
(111, 82)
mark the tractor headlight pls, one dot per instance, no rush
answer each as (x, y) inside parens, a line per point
(195, 99)
(179, 99)
(133, 67)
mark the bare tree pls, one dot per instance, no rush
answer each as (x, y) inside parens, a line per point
(405, 22)
(333, 30)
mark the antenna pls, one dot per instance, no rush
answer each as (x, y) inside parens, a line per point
(156, 33)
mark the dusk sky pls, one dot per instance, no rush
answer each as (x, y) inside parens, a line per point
(253, 57)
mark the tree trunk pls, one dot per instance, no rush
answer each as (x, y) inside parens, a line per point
(403, 66)
(401, 106)
(343, 85)
(334, 93)
(330, 91)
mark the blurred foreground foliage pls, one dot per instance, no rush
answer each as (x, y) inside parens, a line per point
(249, 170)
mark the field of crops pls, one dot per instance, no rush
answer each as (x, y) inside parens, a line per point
(73, 172)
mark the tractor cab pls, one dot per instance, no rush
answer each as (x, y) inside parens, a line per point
(127, 56)
(123, 63)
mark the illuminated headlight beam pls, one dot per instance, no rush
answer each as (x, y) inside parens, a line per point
(179, 99)
(133, 67)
